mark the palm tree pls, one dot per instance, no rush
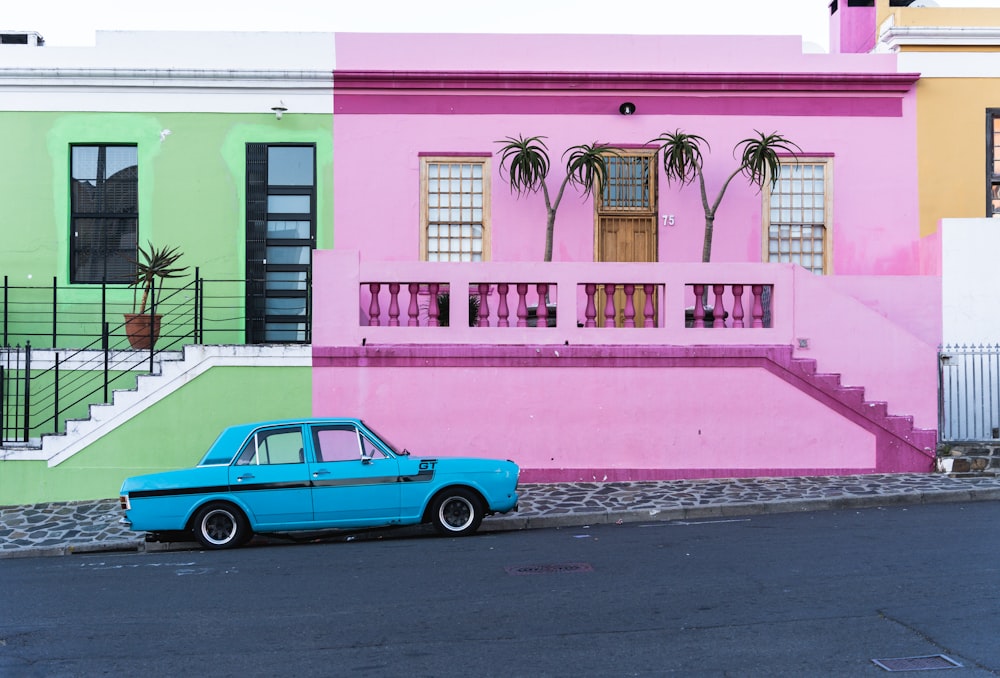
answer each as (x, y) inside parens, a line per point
(526, 161)
(759, 162)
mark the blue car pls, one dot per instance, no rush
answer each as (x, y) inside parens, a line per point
(283, 476)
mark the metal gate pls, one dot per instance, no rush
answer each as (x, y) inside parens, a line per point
(969, 393)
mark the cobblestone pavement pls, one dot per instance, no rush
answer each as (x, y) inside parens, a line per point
(90, 526)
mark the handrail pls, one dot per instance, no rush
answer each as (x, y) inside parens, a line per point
(63, 348)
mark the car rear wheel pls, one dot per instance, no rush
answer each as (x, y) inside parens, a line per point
(457, 512)
(221, 526)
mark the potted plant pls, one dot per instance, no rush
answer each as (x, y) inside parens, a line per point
(153, 266)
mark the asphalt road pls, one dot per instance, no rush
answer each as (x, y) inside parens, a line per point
(815, 594)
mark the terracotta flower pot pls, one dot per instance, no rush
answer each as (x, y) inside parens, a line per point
(140, 336)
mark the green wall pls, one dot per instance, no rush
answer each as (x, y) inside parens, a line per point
(191, 187)
(173, 433)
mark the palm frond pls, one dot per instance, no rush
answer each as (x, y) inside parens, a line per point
(682, 157)
(526, 161)
(760, 160)
(587, 164)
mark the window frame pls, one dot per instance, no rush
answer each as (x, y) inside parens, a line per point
(76, 215)
(992, 161)
(482, 159)
(253, 444)
(265, 323)
(811, 159)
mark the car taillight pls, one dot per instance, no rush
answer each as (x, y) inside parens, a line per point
(126, 505)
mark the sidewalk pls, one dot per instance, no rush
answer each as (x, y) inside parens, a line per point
(92, 526)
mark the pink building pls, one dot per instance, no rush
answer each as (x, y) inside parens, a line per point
(820, 357)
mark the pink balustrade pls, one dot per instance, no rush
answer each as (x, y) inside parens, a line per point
(607, 304)
(553, 303)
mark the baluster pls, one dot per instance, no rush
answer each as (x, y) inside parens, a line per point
(484, 305)
(373, 309)
(432, 307)
(522, 305)
(648, 310)
(719, 309)
(413, 311)
(502, 311)
(393, 304)
(699, 306)
(542, 314)
(609, 305)
(757, 310)
(629, 306)
(591, 312)
(738, 306)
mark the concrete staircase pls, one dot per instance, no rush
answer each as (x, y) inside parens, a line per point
(850, 400)
(171, 372)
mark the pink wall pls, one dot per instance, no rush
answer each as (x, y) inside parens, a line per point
(605, 427)
(569, 402)
(853, 29)
(584, 403)
(610, 53)
(851, 107)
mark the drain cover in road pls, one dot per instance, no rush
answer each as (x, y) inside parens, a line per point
(555, 568)
(934, 661)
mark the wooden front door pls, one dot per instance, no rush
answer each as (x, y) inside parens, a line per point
(625, 221)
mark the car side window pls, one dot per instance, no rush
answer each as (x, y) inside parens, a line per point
(369, 449)
(337, 443)
(275, 446)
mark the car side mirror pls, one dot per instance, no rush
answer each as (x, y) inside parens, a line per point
(366, 459)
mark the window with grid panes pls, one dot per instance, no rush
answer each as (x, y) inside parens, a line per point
(797, 215)
(454, 209)
(993, 162)
(104, 212)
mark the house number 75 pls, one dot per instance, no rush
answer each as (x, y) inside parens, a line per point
(668, 220)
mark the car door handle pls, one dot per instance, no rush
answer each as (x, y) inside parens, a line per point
(321, 472)
(245, 476)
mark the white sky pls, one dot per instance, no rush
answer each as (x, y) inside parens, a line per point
(72, 22)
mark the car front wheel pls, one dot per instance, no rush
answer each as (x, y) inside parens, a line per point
(221, 526)
(457, 512)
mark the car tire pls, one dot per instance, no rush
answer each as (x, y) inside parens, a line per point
(457, 512)
(221, 526)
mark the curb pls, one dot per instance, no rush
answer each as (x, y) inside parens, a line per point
(571, 518)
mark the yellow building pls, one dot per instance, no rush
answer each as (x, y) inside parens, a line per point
(956, 51)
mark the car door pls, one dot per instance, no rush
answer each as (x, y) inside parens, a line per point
(271, 477)
(355, 482)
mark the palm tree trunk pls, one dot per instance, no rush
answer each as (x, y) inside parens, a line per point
(706, 250)
(550, 227)
(550, 219)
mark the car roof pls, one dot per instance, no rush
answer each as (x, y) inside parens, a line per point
(224, 447)
(245, 429)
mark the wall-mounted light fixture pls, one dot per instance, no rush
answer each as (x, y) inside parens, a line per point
(627, 108)
(279, 110)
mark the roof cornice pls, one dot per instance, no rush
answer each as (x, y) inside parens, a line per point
(894, 37)
(137, 77)
(653, 82)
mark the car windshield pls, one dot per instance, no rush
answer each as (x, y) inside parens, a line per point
(385, 441)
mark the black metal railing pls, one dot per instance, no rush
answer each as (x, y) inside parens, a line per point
(63, 349)
(52, 316)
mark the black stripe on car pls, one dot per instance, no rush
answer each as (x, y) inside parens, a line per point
(424, 476)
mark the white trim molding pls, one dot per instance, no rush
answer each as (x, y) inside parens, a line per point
(894, 37)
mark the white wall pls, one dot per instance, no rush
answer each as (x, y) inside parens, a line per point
(970, 280)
